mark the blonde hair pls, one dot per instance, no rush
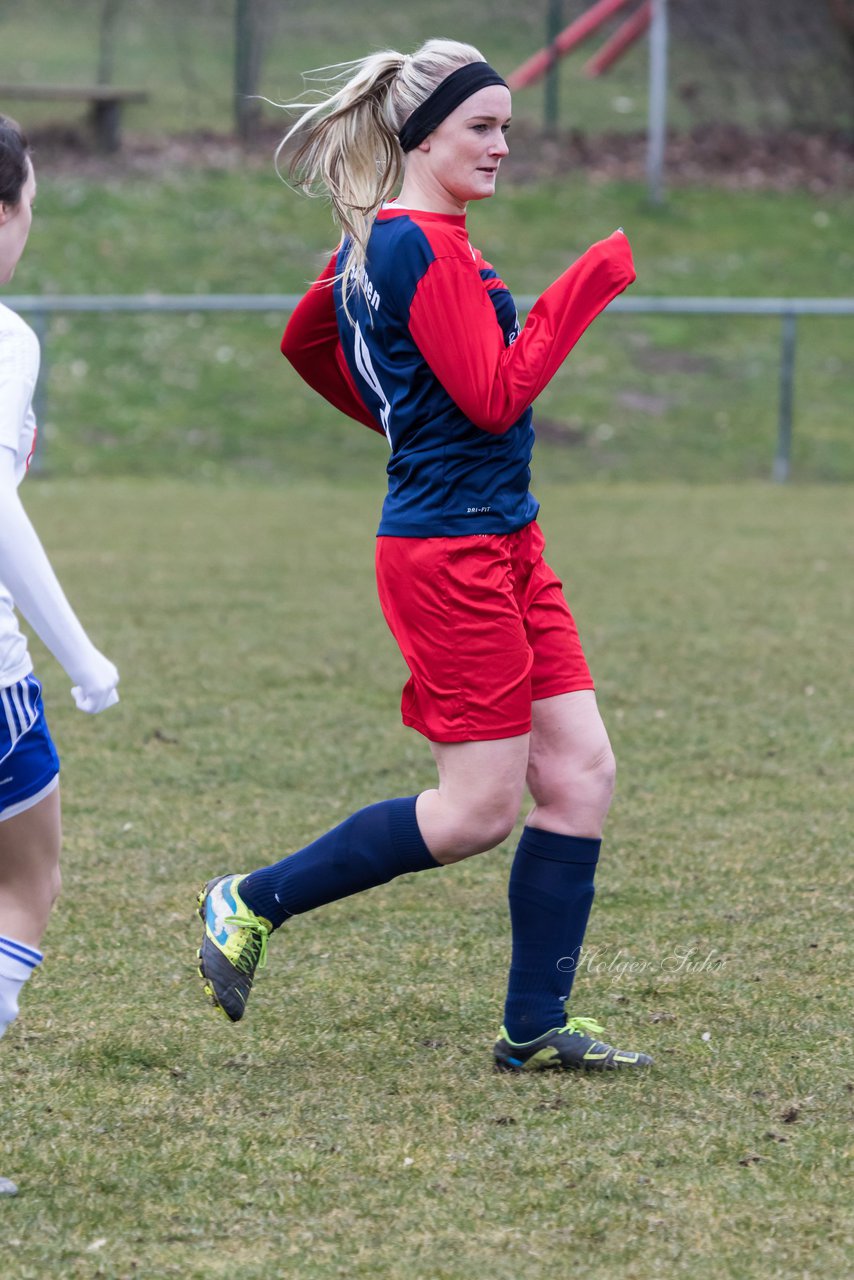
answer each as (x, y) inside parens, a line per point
(346, 145)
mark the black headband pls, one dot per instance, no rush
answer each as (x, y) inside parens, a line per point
(444, 99)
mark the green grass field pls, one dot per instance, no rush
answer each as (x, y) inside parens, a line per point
(681, 397)
(685, 397)
(213, 523)
(351, 1126)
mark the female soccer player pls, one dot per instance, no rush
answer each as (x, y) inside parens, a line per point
(30, 828)
(409, 331)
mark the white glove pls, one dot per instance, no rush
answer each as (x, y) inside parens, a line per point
(97, 690)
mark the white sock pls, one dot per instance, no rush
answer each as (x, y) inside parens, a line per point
(17, 962)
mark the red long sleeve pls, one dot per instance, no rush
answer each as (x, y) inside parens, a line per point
(454, 325)
(312, 345)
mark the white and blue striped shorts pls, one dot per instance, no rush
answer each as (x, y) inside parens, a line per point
(29, 765)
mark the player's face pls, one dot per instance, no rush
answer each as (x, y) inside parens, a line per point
(464, 154)
(15, 223)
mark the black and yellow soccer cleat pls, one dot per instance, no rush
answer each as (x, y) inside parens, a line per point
(234, 945)
(572, 1047)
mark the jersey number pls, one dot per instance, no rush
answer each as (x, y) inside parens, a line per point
(366, 368)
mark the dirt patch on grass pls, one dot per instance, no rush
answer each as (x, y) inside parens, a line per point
(562, 433)
(722, 155)
(642, 402)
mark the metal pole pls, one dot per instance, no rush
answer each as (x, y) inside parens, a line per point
(657, 128)
(551, 98)
(248, 18)
(783, 456)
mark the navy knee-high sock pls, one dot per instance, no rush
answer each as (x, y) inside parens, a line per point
(369, 848)
(551, 893)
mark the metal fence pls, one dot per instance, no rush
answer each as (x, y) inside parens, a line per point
(788, 309)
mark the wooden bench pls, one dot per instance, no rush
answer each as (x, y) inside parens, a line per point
(105, 104)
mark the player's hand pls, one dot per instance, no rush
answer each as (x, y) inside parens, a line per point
(97, 688)
(92, 703)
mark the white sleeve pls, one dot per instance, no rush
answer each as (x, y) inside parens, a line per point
(26, 571)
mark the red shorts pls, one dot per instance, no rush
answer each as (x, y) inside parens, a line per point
(484, 628)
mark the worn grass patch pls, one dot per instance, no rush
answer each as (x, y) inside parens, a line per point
(351, 1126)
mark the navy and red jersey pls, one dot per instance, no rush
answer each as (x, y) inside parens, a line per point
(432, 355)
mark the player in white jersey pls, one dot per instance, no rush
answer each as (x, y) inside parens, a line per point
(30, 828)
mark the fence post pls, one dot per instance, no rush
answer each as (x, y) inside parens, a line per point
(248, 46)
(783, 456)
(657, 127)
(551, 96)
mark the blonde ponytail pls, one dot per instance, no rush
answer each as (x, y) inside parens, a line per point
(346, 146)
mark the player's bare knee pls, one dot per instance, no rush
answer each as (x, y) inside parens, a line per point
(481, 829)
(562, 786)
(496, 824)
(603, 770)
(498, 829)
(593, 784)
